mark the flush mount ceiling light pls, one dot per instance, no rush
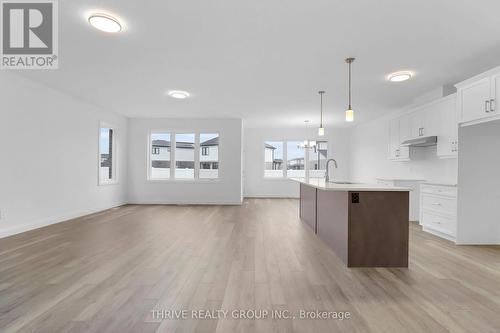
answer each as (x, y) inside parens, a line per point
(179, 94)
(105, 22)
(349, 113)
(321, 129)
(399, 76)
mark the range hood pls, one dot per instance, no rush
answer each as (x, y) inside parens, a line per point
(424, 141)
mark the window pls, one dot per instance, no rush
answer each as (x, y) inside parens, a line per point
(317, 159)
(184, 156)
(273, 159)
(209, 155)
(299, 160)
(160, 156)
(107, 155)
(295, 164)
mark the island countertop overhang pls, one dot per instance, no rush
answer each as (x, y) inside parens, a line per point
(320, 184)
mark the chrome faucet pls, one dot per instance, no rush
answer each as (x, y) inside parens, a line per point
(327, 177)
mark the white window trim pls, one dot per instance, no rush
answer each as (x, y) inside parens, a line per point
(114, 162)
(173, 142)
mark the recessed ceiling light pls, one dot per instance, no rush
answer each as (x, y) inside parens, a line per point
(179, 94)
(104, 22)
(400, 76)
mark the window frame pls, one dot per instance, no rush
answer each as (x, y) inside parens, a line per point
(149, 152)
(173, 160)
(114, 157)
(284, 167)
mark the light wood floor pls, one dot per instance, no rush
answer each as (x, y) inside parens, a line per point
(107, 271)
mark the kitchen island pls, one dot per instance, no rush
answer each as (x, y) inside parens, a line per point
(365, 225)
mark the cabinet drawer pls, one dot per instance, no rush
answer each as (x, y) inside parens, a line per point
(439, 190)
(446, 205)
(446, 225)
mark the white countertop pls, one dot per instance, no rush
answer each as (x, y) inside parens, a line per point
(441, 184)
(402, 179)
(320, 183)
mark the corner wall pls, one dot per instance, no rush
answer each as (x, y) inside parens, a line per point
(49, 156)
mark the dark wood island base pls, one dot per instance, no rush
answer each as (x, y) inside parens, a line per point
(363, 228)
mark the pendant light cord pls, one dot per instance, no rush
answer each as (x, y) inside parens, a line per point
(321, 108)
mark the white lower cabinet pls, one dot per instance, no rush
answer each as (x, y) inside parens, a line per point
(438, 210)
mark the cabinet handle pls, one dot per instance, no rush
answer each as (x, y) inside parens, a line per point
(492, 105)
(436, 204)
(487, 106)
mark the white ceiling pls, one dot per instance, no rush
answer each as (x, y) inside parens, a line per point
(264, 61)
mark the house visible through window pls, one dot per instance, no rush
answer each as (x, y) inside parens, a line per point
(273, 159)
(184, 155)
(296, 159)
(160, 156)
(107, 155)
(209, 156)
(317, 159)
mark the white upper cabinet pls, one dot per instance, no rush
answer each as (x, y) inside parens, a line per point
(404, 128)
(417, 124)
(477, 97)
(396, 152)
(447, 132)
(475, 100)
(437, 118)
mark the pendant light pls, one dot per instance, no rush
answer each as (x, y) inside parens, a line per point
(321, 129)
(349, 113)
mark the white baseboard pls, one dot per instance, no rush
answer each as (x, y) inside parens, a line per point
(162, 202)
(53, 220)
(270, 196)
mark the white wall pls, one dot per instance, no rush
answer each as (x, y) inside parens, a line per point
(58, 178)
(253, 152)
(479, 184)
(225, 190)
(369, 146)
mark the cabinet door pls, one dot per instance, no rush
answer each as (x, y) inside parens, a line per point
(416, 123)
(393, 138)
(495, 93)
(447, 128)
(404, 128)
(475, 100)
(432, 119)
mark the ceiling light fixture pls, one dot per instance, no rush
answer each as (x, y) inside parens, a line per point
(179, 94)
(104, 22)
(349, 113)
(321, 129)
(399, 76)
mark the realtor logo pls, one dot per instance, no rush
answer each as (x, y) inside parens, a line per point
(29, 34)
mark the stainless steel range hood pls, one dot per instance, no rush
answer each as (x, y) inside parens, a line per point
(424, 141)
